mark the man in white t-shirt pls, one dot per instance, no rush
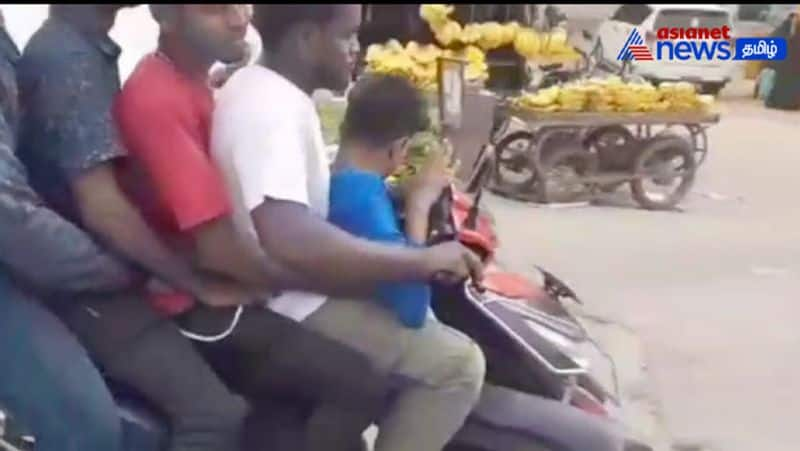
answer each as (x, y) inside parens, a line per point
(220, 73)
(267, 140)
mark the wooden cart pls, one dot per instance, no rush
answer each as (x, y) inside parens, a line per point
(569, 157)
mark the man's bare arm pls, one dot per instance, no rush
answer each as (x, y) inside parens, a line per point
(55, 256)
(219, 248)
(108, 214)
(290, 233)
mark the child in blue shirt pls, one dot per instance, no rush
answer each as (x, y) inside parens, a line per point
(383, 113)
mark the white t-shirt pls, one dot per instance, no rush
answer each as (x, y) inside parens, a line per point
(267, 140)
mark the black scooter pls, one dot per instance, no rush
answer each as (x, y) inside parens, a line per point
(529, 402)
(536, 397)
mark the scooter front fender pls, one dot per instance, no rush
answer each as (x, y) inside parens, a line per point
(510, 420)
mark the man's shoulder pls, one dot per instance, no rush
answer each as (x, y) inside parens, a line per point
(255, 87)
(55, 43)
(151, 69)
(154, 86)
(153, 80)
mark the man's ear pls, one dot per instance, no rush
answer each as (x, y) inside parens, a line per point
(307, 37)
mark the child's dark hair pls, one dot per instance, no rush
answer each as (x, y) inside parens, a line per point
(383, 108)
(274, 21)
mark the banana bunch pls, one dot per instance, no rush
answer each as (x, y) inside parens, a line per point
(681, 96)
(423, 148)
(573, 98)
(706, 102)
(633, 97)
(471, 33)
(418, 62)
(477, 68)
(529, 43)
(389, 59)
(555, 47)
(492, 35)
(448, 33)
(544, 100)
(614, 95)
(435, 14)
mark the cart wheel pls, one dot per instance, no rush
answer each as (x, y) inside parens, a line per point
(563, 169)
(666, 162)
(613, 146)
(615, 149)
(512, 169)
(608, 137)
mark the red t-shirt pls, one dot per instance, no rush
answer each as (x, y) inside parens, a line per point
(164, 119)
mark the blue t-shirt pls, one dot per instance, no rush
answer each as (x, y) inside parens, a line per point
(360, 204)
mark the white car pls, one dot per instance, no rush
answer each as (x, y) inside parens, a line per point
(613, 34)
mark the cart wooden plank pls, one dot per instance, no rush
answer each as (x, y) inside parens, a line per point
(599, 119)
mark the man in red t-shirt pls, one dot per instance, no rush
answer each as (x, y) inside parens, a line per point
(163, 114)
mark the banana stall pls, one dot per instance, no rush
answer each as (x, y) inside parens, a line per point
(488, 49)
(568, 138)
(580, 140)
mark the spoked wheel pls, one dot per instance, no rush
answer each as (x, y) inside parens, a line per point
(513, 170)
(615, 151)
(609, 138)
(665, 172)
(564, 169)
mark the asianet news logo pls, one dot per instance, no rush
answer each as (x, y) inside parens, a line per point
(699, 44)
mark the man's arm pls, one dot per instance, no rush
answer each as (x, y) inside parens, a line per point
(192, 189)
(107, 212)
(308, 244)
(220, 249)
(272, 155)
(45, 249)
(73, 97)
(53, 255)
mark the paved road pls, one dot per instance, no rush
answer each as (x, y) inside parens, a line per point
(712, 291)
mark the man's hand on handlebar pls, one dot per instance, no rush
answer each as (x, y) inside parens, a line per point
(451, 262)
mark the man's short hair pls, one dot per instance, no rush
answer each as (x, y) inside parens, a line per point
(274, 21)
(163, 12)
(383, 108)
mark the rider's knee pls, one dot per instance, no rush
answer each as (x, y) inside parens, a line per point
(472, 369)
(461, 363)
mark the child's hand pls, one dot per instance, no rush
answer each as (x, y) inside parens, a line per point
(423, 189)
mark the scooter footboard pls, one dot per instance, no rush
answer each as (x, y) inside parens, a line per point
(514, 421)
(508, 363)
